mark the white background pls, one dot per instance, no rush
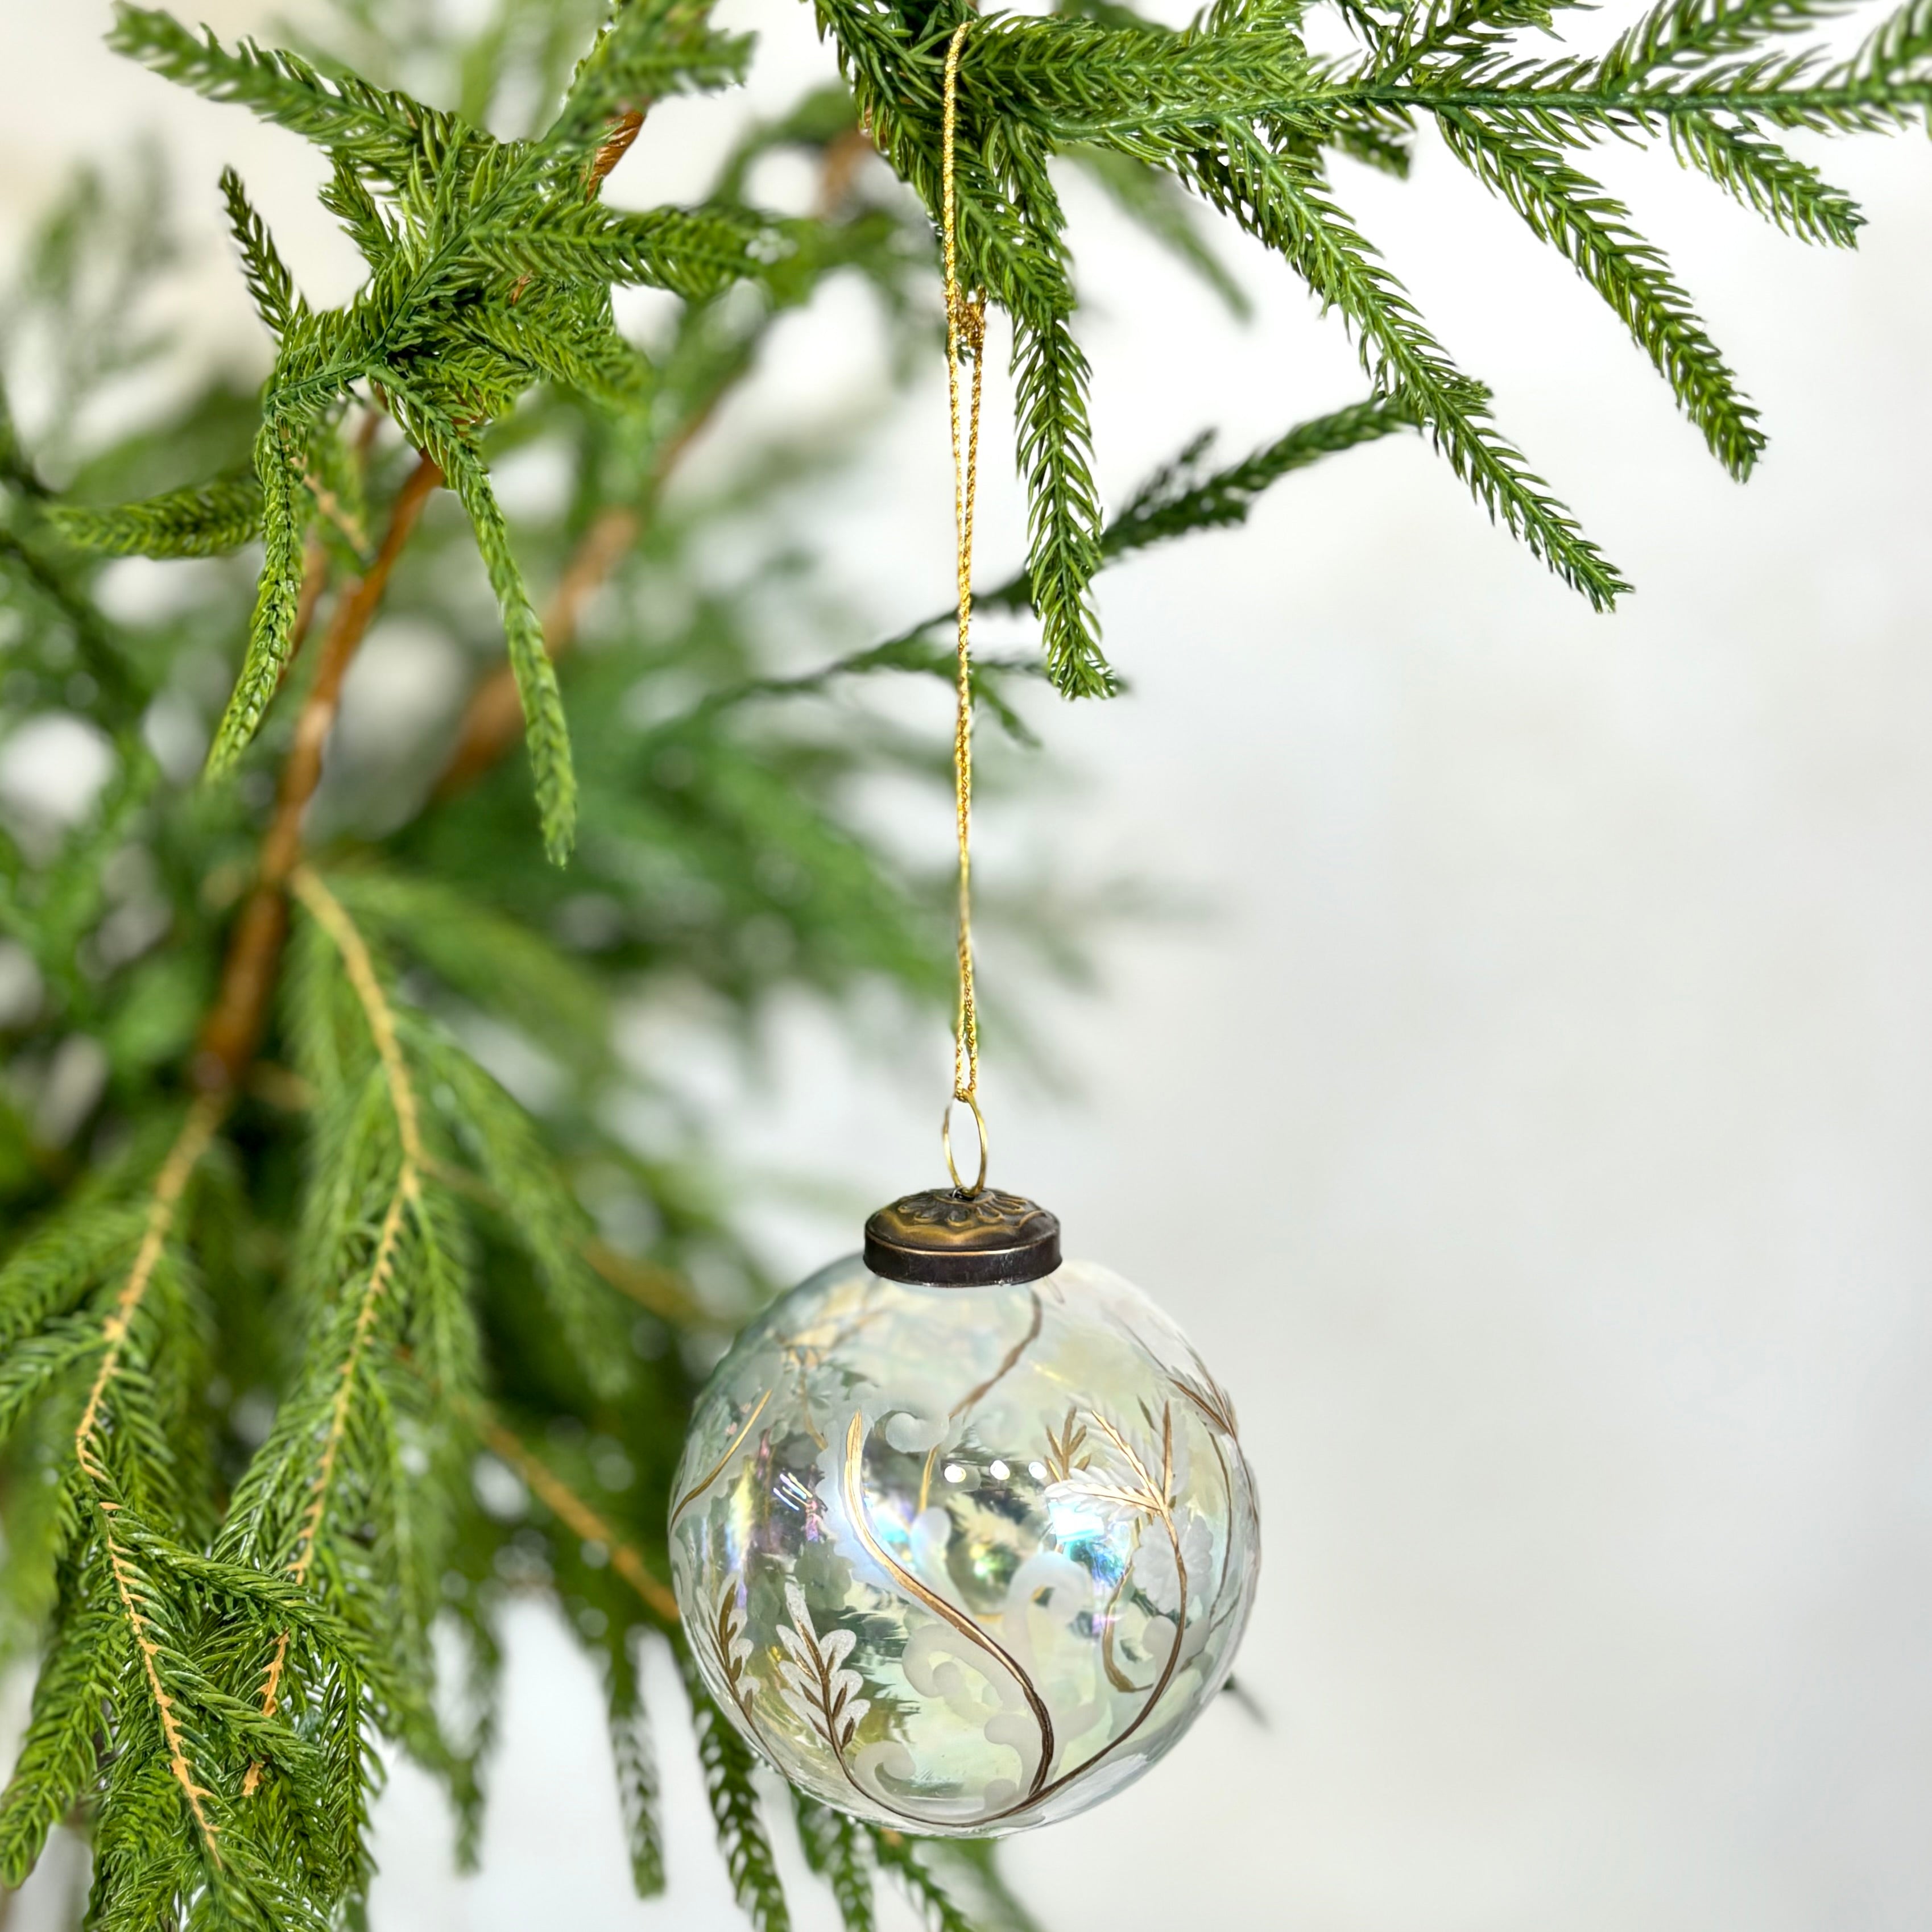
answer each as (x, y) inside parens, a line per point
(1529, 1116)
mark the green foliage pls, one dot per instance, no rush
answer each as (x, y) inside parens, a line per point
(458, 229)
(636, 1762)
(1155, 201)
(199, 520)
(284, 521)
(411, 1336)
(546, 734)
(1234, 108)
(900, 1856)
(270, 283)
(730, 1782)
(838, 1850)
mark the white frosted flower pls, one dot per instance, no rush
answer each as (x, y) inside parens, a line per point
(1154, 1573)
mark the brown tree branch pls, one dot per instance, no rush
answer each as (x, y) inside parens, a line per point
(170, 1184)
(658, 1289)
(493, 720)
(580, 1519)
(230, 1035)
(615, 146)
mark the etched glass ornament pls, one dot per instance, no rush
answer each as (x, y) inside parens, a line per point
(963, 1559)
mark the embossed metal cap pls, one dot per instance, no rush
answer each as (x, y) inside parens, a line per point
(944, 1238)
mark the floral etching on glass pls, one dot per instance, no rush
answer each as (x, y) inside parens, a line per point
(972, 1557)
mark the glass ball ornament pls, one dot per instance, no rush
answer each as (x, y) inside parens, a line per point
(966, 1552)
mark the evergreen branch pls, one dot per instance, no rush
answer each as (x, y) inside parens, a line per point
(202, 519)
(1125, 87)
(493, 719)
(693, 253)
(1566, 208)
(497, 962)
(347, 197)
(141, 1629)
(64, 1258)
(580, 1520)
(656, 1289)
(937, 1905)
(374, 126)
(728, 1781)
(1561, 100)
(548, 734)
(308, 1536)
(1071, 77)
(1173, 502)
(1150, 198)
(646, 50)
(78, 1678)
(197, 1131)
(538, 1209)
(836, 1849)
(1010, 236)
(1439, 32)
(270, 285)
(636, 1764)
(278, 594)
(1050, 381)
(1896, 49)
(1281, 199)
(301, 772)
(328, 913)
(1680, 34)
(30, 1368)
(1064, 507)
(229, 1034)
(1789, 192)
(592, 357)
(326, 910)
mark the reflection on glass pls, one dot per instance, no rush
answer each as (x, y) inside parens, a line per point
(963, 1560)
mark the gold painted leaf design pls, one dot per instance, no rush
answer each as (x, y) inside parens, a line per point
(729, 1647)
(1063, 1457)
(1210, 1398)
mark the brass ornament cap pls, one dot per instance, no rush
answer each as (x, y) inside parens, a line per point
(944, 1238)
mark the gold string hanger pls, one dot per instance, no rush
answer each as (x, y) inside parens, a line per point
(965, 336)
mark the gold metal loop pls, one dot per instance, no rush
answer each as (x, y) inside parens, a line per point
(946, 1141)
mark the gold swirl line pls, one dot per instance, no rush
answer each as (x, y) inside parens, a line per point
(692, 1495)
(1147, 1710)
(977, 1396)
(855, 1507)
(1006, 1367)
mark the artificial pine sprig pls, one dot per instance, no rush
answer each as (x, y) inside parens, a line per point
(468, 230)
(1234, 108)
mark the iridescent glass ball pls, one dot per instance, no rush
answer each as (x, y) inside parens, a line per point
(963, 1560)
